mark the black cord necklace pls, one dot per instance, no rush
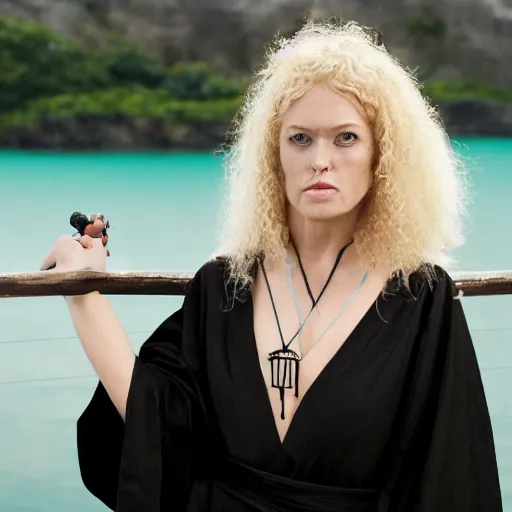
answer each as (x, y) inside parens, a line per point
(284, 362)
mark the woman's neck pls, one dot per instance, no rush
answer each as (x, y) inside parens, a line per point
(319, 242)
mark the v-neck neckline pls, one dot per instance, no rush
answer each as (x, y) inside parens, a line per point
(335, 368)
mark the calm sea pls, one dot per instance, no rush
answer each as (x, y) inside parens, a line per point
(163, 209)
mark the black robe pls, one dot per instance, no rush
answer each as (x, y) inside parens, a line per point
(396, 422)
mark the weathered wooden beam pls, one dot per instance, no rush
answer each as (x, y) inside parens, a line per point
(473, 284)
(41, 284)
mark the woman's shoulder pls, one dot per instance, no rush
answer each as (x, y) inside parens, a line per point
(213, 279)
(210, 288)
(428, 282)
(212, 276)
(424, 303)
(211, 271)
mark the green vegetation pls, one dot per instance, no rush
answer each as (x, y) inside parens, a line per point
(44, 75)
(47, 76)
(442, 91)
(134, 103)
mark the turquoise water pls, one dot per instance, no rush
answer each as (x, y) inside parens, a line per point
(163, 209)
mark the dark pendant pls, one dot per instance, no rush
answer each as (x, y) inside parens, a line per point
(284, 367)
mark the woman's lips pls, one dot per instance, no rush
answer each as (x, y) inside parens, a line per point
(320, 191)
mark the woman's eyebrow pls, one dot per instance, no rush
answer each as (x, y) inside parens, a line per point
(333, 128)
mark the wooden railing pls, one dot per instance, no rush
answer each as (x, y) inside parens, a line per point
(40, 284)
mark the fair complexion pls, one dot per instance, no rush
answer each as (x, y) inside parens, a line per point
(325, 139)
(102, 336)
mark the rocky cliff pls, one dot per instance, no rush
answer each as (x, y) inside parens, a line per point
(442, 39)
(470, 38)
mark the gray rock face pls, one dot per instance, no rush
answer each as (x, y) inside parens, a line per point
(483, 118)
(109, 132)
(470, 38)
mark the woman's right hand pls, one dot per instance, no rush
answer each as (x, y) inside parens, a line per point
(72, 254)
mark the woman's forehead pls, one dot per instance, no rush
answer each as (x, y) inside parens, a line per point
(322, 108)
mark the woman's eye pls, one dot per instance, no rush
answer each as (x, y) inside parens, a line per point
(300, 138)
(347, 138)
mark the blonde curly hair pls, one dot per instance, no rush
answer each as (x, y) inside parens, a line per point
(415, 205)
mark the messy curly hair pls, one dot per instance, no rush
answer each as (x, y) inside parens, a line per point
(415, 205)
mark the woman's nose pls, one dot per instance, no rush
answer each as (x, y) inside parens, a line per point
(321, 167)
(321, 160)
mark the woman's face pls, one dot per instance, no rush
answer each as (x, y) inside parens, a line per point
(327, 153)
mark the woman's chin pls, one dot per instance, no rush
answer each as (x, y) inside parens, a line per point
(322, 212)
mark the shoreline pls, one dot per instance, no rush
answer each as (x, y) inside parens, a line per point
(212, 150)
(465, 118)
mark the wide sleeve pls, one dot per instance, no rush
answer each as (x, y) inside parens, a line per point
(447, 460)
(124, 464)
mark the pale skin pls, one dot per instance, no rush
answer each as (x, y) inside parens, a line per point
(323, 138)
(103, 338)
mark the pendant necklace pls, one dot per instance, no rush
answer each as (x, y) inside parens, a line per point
(284, 362)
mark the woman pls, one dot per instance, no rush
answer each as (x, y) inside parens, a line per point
(321, 363)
